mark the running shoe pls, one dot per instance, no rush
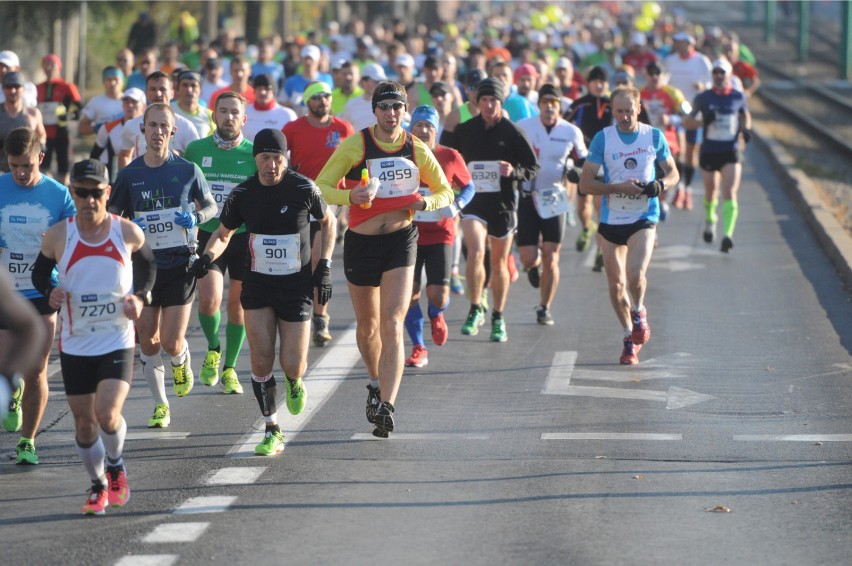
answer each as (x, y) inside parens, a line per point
(456, 286)
(210, 368)
(26, 453)
(542, 316)
(296, 396)
(230, 384)
(584, 240)
(373, 402)
(687, 199)
(183, 378)
(709, 232)
(118, 493)
(678, 198)
(439, 329)
(419, 357)
(513, 268)
(498, 330)
(630, 355)
(97, 500)
(15, 417)
(534, 277)
(383, 419)
(273, 443)
(475, 319)
(599, 262)
(161, 418)
(641, 331)
(727, 244)
(321, 334)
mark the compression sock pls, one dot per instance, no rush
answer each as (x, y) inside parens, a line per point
(414, 324)
(92, 456)
(114, 442)
(265, 391)
(435, 311)
(690, 172)
(235, 335)
(710, 209)
(730, 211)
(210, 326)
(154, 372)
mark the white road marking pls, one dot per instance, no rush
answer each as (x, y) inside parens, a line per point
(793, 437)
(205, 504)
(235, 476)
(320, 382)
(609, 436)
(561, 370)
(674, 398)
(422, 436)
(154, 435)
(148, 560)
(176, 532)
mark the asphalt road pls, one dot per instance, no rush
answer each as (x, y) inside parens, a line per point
(541, 450)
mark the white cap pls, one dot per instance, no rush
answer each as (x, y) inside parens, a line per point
(134, 94)
(404, 60)
(683, 36)
(638, 38)
(311, 51)
(374, 71)
(10, 59)
(723, 64)
(564, 63)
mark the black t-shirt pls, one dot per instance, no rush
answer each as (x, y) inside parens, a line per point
(279, 210)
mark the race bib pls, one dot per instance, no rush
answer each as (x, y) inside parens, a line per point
(397, 176)
(275, 254)
(628, 203)
(550, 201)
(162, 232)
(94, 313)
(221, 191)
(49, 113)
(20, 267)
(723, 128)
(485, 176)
(424, 216)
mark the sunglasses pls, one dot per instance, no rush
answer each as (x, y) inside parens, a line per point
(86, 193)
(390, 105)
(320, 95)
(719, 72)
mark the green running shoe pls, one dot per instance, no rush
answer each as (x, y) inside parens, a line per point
(273, 443)
(161, 418)
(585, 237)
(498, 330)
(26, 453)
(210, 368)
(184, 380)
(230, 383)
(475, 319)
(14, 418)
(296, 396)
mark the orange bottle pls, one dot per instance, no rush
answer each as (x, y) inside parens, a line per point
(365, 180)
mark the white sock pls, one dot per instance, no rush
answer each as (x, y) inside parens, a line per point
(628, 332)
(375, 384)
(93, 459)
(114, 443)
(183, 356)
(271, 419)
(155, 372)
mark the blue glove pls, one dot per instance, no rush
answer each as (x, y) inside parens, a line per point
(140, 221)
(186, 219)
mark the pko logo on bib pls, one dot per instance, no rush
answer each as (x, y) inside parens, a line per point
(88, 298)
(479, 166)
(386, 164)
(270, 242)
(152, 217)
(17, 219)
(17, 257)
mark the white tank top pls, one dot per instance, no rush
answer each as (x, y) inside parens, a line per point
(96, 277)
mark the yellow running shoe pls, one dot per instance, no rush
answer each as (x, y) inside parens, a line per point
(230, 383)
(161, 418)
(184, 380)
(210, 368)
(273, 443)
(296, 396)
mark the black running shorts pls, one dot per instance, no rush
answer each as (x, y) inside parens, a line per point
(290, 305)
(82, 374)
(715, 161)
(530, 225)
(438, 259)
(173, 287)
(365, 258)
(618, 234)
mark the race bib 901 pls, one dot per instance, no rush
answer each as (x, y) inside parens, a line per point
(275, 254)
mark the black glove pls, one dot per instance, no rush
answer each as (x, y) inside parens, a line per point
(652, 189)
(322, 281)
(746, 136)
(573, 175)
(201, 266)
(709, 116)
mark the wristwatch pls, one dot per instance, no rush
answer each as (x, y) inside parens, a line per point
(146, 297)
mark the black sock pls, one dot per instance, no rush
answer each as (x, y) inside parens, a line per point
(272, 428)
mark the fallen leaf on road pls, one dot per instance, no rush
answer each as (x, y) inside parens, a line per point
(718, 509)
(600, 457)
(639, 477)
(819, 443)
(635, 380)
(770, 368)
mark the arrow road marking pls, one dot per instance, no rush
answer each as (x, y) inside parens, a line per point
(562, 370)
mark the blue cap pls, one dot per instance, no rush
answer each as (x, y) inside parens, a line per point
(426, 113)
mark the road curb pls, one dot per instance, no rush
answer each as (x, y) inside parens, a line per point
(831, 235)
